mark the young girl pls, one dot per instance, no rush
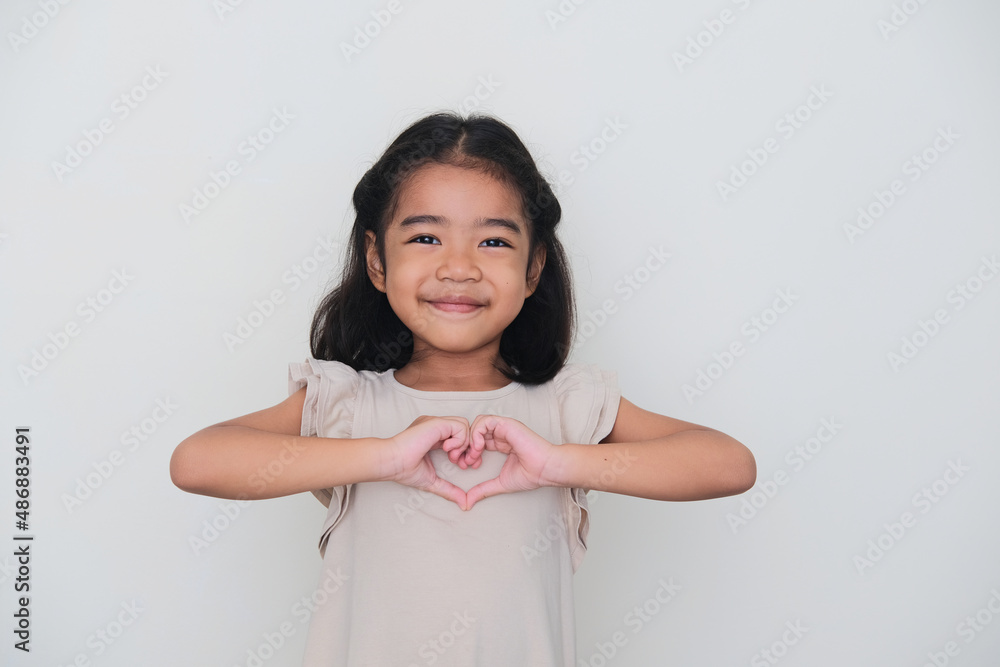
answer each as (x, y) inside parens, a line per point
(441, 424)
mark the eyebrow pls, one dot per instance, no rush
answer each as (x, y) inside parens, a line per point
(479, 223)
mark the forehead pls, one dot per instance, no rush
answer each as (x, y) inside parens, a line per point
(457, 194)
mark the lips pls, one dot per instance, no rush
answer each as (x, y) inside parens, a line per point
(458, 299)
(456, 303)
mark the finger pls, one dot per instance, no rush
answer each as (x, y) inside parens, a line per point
(490, 440)
(455, 437)
(484, 424)
(477, 449)
(477, 440)
(477, 434)
(461, 456)
(460, 425)
(455, 450)
(449, 491)
(491, 487)
(468, 460)
(479, 460)
(473, 457)
(472, 453)
(451, 443)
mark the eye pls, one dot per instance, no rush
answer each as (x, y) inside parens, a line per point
(416, 239)
(498, 241)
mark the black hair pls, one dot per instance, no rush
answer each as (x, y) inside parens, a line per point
(355, 324)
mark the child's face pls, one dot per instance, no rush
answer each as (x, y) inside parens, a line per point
(428, 262)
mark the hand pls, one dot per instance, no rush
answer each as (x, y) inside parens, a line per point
(527, 456)
(407, 456)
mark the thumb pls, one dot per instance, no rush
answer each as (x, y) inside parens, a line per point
(448, 491)
(491, 487)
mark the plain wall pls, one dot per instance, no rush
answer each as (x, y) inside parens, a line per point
(823, 177)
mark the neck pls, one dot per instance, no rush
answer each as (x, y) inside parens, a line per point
(444, 371)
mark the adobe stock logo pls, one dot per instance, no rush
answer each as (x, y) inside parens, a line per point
(779, 647)
(483, 91)
(252, 146)
(562, 12)
(787, 126)
(960, 295)
(587, 153)
(968, 629)
(753, 503)
(86, 309)
(628, 286)
(752, 329)
(636, 619)
(271, 642)
(381, 18)
(926, 499)
(104, 637)
(900, 16)
(38, 20)
(914, 167)
(699, 43)
(103, 469)
(122, 107)
(264, 308)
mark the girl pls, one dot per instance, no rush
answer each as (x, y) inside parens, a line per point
(440, 423)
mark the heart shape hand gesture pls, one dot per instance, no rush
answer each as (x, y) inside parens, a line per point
(407, 456)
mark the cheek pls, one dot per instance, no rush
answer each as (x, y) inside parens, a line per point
(402, 274)
(513, 277)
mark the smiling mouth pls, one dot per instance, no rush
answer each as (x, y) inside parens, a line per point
(455, 307)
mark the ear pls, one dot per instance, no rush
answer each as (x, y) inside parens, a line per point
(376, 272)
(535, 270)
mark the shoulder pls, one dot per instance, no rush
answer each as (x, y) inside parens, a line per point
(325, 377)
(586, 396)
(334, 370)
(580, 376)
(592, 393)
(330, 395)
(328, 390)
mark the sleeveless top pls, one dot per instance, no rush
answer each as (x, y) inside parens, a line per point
(409, 578)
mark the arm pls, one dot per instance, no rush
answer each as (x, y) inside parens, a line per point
(653, 456)
(646, 455)
(261, 455)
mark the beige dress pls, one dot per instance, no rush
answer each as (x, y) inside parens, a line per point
(408, 578)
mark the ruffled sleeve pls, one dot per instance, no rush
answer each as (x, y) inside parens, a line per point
(587, 398)
(328, 412)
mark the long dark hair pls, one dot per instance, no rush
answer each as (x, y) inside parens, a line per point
(355, 324)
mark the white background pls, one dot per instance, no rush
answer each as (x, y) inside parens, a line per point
(889, 90)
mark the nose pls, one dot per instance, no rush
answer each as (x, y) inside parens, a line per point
(459, 263)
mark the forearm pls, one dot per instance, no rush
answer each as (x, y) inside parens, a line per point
(239, 462)
(688, 465)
